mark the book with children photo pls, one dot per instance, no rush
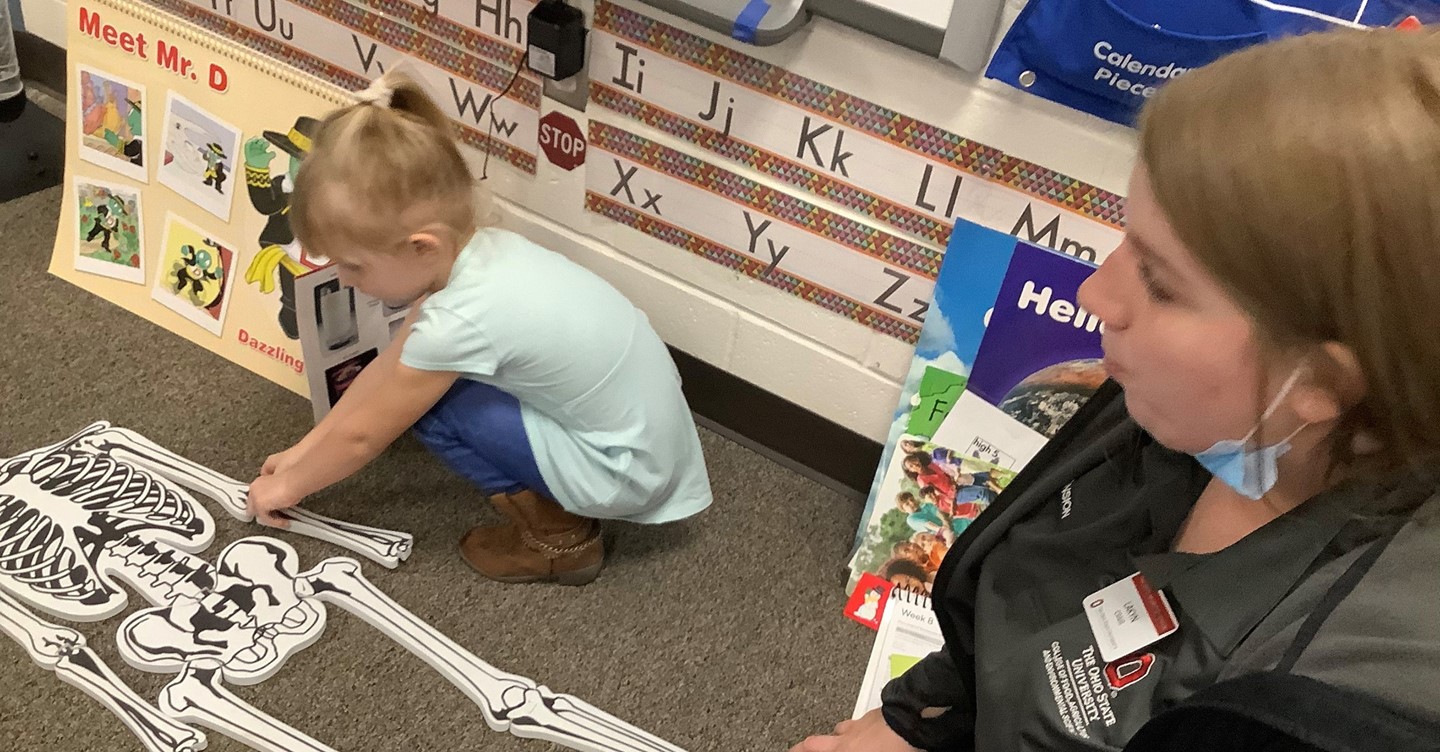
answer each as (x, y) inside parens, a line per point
(928, 496)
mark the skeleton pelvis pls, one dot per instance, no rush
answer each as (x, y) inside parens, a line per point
(251, 620)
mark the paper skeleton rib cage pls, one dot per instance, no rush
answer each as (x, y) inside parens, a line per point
(108, 504)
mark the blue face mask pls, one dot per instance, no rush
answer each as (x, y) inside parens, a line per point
(1251, 471)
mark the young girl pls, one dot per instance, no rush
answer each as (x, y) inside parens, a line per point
(523, 372)
(1265, 462)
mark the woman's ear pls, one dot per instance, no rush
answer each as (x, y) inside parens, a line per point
(1337, 384)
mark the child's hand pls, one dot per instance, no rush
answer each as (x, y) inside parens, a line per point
(269, 494)
(280, 461)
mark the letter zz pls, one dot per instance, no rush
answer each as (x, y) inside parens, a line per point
(883, 300)
(652, 200)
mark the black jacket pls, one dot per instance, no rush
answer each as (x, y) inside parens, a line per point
(1344, 621)
(1276, 711)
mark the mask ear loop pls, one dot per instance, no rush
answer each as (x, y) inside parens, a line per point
(1280, 396)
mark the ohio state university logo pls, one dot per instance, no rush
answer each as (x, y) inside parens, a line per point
(1128, 670)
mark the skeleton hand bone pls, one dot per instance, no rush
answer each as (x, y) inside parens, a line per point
(64, 651)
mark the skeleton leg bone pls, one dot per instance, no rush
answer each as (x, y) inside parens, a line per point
(198, 696)
(63, 651)
(385, 547)
(509, 702)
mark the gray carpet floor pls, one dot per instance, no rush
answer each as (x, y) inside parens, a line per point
(723, 632)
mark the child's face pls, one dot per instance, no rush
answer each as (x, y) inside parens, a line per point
(926, 541)
(398, 276)
(391, 277)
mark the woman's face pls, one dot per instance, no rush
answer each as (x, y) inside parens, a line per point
(1184, 352)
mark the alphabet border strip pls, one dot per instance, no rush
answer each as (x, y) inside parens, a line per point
(732, 259)
(442, 26)
(901, 218)
(918, 259)
(721, 184)
(325, 70)
(445, 53)
(947, 150)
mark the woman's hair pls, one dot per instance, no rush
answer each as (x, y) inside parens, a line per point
(374, 163)
(1304, 174)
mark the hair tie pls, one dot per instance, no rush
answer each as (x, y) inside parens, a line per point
(377, 93)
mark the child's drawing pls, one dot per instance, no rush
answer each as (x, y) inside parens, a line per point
(199, 157)
(108, 238)
(195, 274)
(112, 122)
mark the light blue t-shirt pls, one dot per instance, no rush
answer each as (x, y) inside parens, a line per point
(599, 394)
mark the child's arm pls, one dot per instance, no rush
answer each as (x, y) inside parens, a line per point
(361, 389)
(360, 427)
(400, 399)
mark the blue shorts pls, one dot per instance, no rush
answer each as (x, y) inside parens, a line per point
(477, 431)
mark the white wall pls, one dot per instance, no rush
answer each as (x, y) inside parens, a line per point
(43, 18)
(825, 363)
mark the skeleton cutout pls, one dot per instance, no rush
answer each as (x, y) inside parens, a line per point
(104, 506)
(64, 651)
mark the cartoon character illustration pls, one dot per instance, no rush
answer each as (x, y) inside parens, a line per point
(200, 271)
(111, 122)
(214, 156)
(280, 256)
(124, 139)
(106, 225)
(867, 610)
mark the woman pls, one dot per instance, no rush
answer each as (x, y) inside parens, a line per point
(1266, 453)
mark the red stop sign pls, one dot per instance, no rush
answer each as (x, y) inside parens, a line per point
(562, 140)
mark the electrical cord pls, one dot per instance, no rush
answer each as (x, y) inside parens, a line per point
(490, 124)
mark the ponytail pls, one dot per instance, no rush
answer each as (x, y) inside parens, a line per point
(391, 150)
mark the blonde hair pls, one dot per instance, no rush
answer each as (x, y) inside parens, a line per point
(1304, 174)
(376, 163)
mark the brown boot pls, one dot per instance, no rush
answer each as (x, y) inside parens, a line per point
(542, 543)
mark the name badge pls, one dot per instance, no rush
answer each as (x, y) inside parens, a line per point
(1128, 616)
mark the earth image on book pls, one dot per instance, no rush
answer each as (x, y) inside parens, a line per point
(1047, 399)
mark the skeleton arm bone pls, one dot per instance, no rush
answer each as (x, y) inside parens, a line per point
(385, 547)
(63, 651)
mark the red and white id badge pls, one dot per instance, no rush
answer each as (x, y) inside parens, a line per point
(1128, 616)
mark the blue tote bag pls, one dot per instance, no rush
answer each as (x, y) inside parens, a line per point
(1106, 57)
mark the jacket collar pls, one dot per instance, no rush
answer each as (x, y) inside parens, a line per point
(1227, 593)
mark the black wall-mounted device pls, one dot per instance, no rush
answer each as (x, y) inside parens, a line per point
(557, 39)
